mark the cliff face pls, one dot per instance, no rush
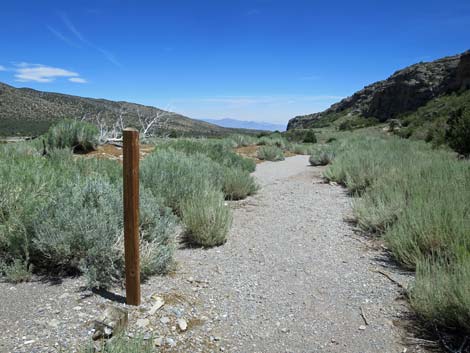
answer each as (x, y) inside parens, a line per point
(404, 91)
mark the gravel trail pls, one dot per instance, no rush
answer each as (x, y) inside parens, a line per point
(293, 277)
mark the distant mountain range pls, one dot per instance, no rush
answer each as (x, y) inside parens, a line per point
(242, 124)
(28, 112)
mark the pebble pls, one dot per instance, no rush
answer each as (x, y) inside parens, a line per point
(171, 342)
(164, 320)
(182, 324)
(142, 323)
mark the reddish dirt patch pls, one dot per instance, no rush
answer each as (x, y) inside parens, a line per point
(249, 152)
(114, 152)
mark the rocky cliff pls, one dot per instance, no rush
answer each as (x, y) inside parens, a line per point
(404, 91)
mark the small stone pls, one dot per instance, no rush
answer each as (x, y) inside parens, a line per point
(171, 342)
(142, 323)
(29, 342)
(111, 321)
(182, 324)
(158, 341)
(362, 327)
(63, 295)
(164, 320)
(77, 308)
(159, 302)
(54, 323)
(284, 330)
(190, 279)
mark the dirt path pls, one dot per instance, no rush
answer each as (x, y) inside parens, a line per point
(293, 277)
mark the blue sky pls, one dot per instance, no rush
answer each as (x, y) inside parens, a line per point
(262, 60)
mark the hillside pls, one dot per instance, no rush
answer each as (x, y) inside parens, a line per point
(402, 93)
(25, 111)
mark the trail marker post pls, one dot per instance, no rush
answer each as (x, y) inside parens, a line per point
(131, 214)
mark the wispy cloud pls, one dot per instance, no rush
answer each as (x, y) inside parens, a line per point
(77, 80)
(62, 37)
(3, 68)
(25, 72)
(79, 38)
(71, 27)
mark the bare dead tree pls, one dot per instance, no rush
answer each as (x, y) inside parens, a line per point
(153, 121)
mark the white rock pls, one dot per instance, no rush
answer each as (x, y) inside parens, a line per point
(158, 341)
(182, 324)
(77, 308)
(54, 323)
(142, 323)
(165, 320)
(362, 327)
(171, 342)
(159, 302)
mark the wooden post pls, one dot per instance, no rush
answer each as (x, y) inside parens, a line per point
(131, 215)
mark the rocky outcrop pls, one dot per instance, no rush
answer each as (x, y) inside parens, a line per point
(404, 91)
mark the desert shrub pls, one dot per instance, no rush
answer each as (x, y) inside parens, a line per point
(458, 133)
(440, 294)
(123, 344)
(242, 140)
(207, 219)
(79, 136)
(63, 214)
(321, 155)
(16, 271)
(417, 198)
(82, 230)
(270, 153)
(310, 137)
(357, 122)
(174, 176)
(238, 184)
(272, 140)
(219, 151)
(299, 148)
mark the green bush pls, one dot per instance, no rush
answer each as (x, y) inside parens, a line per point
(272, 140)
(238, 184)
(242, 140)
(64, 214)
(17, 271)
(207, 218)
(321, 155)
(82, 230)
(123, 344)
(79, 136)
(219, 151)
(310, 137)
(174, 176)
(299, 148)
(417, 198)
(270, 153)
(458, 133)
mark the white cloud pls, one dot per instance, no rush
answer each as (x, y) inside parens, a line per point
(25, 72)
(77, 80)
(3, 68)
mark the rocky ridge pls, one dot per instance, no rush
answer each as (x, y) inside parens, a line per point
(404, 91)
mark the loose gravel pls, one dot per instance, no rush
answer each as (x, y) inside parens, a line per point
(294, 276)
